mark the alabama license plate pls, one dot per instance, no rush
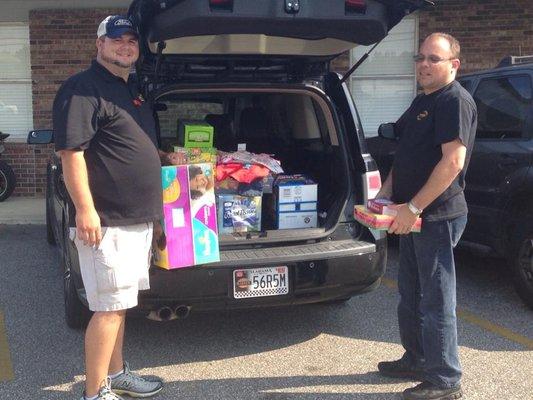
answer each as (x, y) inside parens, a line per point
(260, 282)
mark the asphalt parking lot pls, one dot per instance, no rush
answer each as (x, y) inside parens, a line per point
(304, 353)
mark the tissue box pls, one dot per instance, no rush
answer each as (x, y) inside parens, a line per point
(379, 221)
(195, 134)
(189, 217)
(296, 202)
(239, 213)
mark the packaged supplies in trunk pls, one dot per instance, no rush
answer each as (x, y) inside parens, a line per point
(379, 221)
(244, 173)
(189, 221)
(245, 157)
(198, 155)
(239, 213)
(295, 198)
(227, 186)
(195, 134)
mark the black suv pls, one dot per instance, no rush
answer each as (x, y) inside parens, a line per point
(499, 180)
(258, 71)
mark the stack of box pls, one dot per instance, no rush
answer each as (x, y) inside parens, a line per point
(295, 198)
(190, 219)
(379, 214)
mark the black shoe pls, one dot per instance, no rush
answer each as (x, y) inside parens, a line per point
(400, 369)
(428, 391)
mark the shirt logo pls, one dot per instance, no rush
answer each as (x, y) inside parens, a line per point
(422, 115)
(137, 102)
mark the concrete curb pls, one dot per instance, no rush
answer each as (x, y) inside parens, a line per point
(23, 210)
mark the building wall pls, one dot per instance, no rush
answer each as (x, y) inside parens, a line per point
(488, 30)
(62, 43)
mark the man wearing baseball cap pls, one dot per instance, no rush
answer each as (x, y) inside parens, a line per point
(105, 135)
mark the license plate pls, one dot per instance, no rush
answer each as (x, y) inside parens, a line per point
(260, 282)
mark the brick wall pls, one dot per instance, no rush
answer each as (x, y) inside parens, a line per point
(62, 43)
(487, 29)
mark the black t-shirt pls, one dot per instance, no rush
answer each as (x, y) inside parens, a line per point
(99, 113)
(445, 115)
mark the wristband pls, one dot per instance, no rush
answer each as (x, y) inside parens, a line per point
(415, 210)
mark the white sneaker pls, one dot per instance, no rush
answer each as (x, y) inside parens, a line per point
(105, 392)
(134, 385)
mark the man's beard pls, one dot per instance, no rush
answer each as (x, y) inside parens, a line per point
(117, 62)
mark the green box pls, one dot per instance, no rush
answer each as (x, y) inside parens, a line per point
(195, 134)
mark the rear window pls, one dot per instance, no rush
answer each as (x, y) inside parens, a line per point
(504, 107)
(177, 110)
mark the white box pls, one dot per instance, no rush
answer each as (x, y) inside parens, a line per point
(296, 202)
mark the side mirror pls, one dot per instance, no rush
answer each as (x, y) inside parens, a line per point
(41, 136)
(386, 131)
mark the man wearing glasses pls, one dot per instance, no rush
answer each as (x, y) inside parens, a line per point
(428, 178)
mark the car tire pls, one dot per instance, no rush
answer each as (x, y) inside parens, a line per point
(522, 263)
(7, 181)
(77, 315)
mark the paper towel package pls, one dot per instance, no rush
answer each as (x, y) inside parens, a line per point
(189, 217)
(239, 213)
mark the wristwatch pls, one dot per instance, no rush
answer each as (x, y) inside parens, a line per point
(414, 209)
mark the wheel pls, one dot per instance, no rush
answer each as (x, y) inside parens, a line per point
(7, 181)
(77, 316)
(522, 264)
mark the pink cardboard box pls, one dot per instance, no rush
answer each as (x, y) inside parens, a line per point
(379, 221)
(189, 217)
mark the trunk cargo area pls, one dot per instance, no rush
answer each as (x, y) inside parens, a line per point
(294, 126)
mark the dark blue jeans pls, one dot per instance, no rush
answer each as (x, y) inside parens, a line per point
(426, 313)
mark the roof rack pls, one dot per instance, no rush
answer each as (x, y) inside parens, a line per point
(514, 60)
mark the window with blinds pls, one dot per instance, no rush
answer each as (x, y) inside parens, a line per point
(384, 85)
(16, 116)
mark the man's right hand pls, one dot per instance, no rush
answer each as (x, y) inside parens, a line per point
(88, 227)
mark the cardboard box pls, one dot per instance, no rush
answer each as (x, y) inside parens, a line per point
(189, 217)
(198, 155)
(296, 199)
(195, 134)
(239, 213)
(382, 206)
(379, 221)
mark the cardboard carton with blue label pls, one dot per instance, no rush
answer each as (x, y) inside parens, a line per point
(296, 198)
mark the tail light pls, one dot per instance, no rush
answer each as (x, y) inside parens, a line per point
(371, 185)
(221, 5)
(355, 6)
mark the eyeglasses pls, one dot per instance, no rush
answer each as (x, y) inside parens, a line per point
(431, 59)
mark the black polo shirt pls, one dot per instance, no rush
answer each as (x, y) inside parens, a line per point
(445, 115)
(99, 113)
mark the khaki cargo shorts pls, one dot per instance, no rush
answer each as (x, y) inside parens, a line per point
(115, 271)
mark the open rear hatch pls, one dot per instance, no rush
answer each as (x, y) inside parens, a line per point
(313, 31)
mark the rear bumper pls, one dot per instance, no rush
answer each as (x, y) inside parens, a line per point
(317, 272)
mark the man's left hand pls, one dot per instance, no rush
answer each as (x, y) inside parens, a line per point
(404, 221)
